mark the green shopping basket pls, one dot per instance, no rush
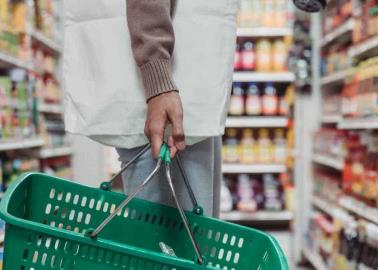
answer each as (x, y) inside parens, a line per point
(53, 223)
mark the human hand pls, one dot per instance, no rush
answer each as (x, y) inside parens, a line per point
(162, 110)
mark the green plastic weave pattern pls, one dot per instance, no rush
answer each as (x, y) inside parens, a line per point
(47, 219)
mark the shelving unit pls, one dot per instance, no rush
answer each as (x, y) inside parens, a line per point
(359, 208)
(315, 259)
(359, 123)
(48, 43)
(331, 119)
(363, 48)
(55, 152)
(352, 46)
(253, 168)
(337, 77)
(264, 32)
(256, 122)
(50, 108)
(246, 76)
(344, 29)
(324, 205)
(21, 144)
(9, 61)
(332, 162)
(260, 216)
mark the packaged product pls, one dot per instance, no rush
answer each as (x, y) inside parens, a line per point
(265, 146)
(269, 100)
(264, 55)
(280, 54)
(248, 149)
(253, 100)
(237, 100)
(248, 56)
(280, 147)
(231, 146)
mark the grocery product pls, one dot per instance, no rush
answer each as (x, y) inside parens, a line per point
(280, 55)
(264, 59)
(226, 198)
(248, 151)
(237, 100)
(280, 147)
(245, 14)
(253, 100)
(265, 146)
(248, 56)
(269, 100)
(273, 199)
(245, 192)
(238, 58)
(231, 147)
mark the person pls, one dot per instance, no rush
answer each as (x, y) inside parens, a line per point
(180, 53)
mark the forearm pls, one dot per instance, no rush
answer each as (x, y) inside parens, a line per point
(152, 41)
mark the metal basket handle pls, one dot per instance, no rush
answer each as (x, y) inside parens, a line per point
(164, 157)
(197, 209)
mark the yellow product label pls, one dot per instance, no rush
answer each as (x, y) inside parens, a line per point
(247, 154)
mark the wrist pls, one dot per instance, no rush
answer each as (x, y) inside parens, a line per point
(157, 78)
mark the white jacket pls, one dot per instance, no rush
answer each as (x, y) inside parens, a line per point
(103, 90)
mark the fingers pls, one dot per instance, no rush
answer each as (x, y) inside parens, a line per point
(176, 119)
(154, 131)
(172, 147)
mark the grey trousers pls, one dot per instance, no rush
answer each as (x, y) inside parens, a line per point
(202, 164)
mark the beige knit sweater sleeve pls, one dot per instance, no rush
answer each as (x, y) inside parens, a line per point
(152, 41)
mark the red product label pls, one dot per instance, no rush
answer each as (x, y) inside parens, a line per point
(248, 60)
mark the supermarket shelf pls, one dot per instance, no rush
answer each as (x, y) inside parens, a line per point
(283, 216)
(8, 61)
(325, 160)
(325, 206)
(55, 152)
(50, 108)
(364, 47)
(359, 123)
(359, 208)
(246, 76)
(338, 32)
(253, 168)
(45, 41)
(331, 119)
(264, 32)
(255, 122)
(336, 77)
(21, 144)
(315, 259)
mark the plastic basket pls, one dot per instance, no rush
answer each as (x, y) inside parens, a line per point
(48, 220)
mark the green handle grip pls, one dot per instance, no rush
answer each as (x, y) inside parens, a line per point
(165, 154)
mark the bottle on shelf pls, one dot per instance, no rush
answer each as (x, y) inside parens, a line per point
(231, 147)
(246, 201)
(269, 100)
(265, 146)
(248, 147)
(273, 198)
(245, 13)
(280, 147)
(238, 58)
(280, 54)
(253, 100)
(237, 100)
(248, 56)
(264, 55)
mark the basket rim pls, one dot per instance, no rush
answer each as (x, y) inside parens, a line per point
(110, 244)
